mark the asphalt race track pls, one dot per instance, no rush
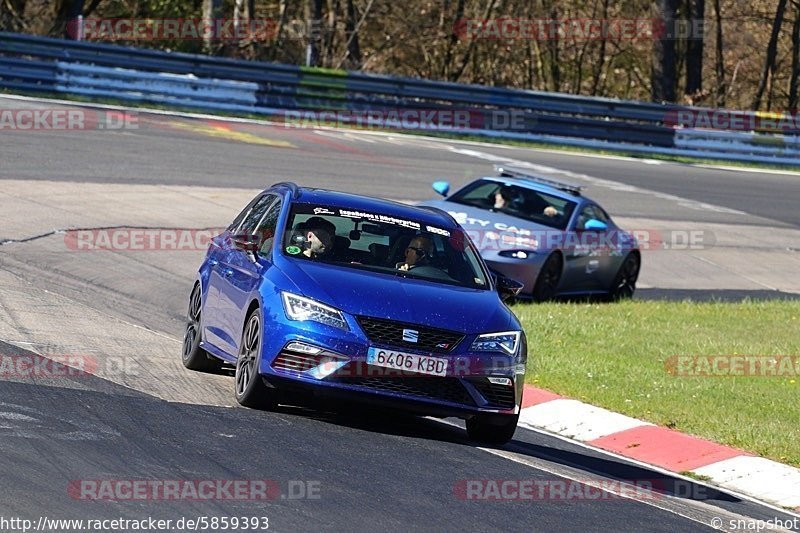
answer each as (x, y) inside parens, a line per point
(140, 415)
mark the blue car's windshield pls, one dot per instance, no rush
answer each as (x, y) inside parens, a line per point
(380, 243)
(520, 202)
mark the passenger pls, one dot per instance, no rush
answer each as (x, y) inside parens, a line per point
(503, 197)
(418, 253)
(317, 236)
(550, 211)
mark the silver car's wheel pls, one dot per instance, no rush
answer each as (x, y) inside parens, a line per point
(624, 284)
(546, 284)
(250, 389)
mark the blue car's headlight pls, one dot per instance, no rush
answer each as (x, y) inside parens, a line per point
(302, 309)
(506, 341)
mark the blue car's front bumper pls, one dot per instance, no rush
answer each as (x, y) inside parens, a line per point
(340, 370)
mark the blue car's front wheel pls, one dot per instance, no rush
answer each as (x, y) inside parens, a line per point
(250, 389)
(492, 429)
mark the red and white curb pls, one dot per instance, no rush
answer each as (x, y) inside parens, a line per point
(671, 450)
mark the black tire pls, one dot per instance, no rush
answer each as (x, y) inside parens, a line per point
(546, 284)
(249, 388)
(492, 429)
(624, 284)
(192, 356)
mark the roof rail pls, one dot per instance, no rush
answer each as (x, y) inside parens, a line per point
(525, 174)
(289, 185)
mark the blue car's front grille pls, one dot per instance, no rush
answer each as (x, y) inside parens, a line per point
(409, 335)
(447, 389)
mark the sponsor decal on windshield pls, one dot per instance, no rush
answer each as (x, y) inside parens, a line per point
(386, 219)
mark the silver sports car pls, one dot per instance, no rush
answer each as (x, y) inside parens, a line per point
(545, 234)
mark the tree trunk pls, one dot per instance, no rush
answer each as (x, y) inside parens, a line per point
(212, 9)
(601, 56)
(772, 48)
(553, 45)
(452, 41)
(795, 58)
(694, 48)
(314, 22)
(663, 76)
(719, 58)
(353, 47)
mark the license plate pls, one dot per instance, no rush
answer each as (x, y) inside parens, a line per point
(409, 362)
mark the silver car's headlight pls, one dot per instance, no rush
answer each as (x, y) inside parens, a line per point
(506, 341)
(306, 309)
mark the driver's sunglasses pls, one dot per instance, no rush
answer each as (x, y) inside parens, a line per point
(420, 252)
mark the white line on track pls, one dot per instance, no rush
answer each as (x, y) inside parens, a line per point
(695, 510)
(362, 133)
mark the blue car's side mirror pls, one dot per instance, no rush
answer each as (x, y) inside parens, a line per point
(595, 225)
(442, 187)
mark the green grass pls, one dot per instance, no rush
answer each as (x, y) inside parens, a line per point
(616, 356)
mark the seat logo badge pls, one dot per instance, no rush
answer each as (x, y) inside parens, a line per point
(410, 335)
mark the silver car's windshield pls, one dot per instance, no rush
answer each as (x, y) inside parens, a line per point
(521, 202)
(384, 244)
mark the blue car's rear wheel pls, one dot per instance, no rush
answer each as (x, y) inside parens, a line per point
(250, 389)
(492, 429)
(193, 356)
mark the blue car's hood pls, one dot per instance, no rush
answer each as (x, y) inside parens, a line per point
(360, 292)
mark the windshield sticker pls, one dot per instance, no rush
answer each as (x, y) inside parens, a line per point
(293, 250)
(322, 211)
(379, 218)
(437, 231)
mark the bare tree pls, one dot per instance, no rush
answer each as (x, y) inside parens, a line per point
(719, 58)
(663, 73)
(769, 63)
(212, 9)
(314, 24)
(12, 15)
(694, 48)
(351, 32)
(795, 57)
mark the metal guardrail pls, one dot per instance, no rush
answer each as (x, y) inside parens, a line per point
(39, 64)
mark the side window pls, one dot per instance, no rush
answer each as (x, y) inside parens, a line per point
(266, 227)
(601, 215)
(591, 212)
(586, 214)
(238, 220)
(256, 213)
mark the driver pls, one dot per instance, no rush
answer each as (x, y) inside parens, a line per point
(317, 236)
(418, 253)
